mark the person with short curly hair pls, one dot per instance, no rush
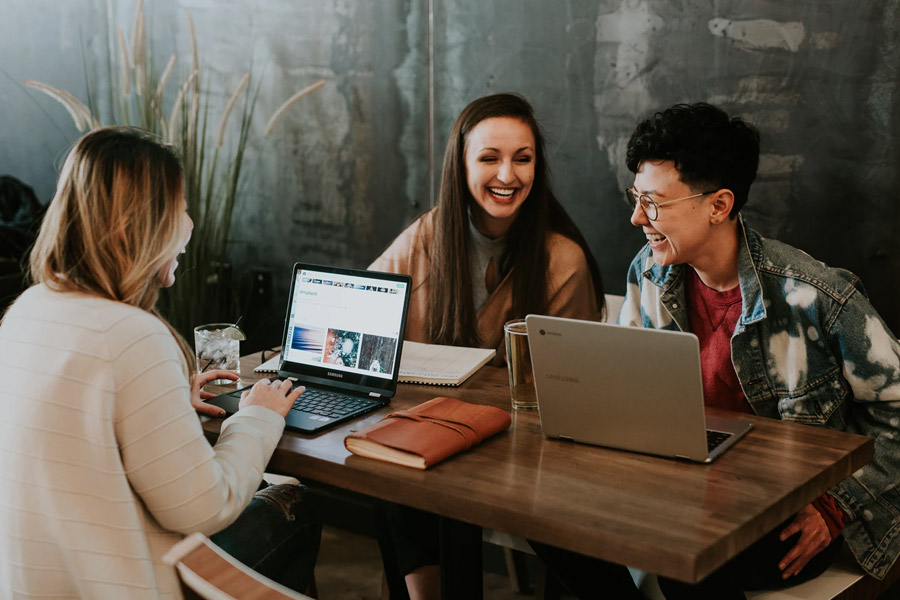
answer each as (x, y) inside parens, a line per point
(781, 335)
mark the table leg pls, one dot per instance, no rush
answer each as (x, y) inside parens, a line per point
(393, 578)
(461, 574)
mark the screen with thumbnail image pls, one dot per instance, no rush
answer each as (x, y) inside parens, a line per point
(377, 353)
(342, 347)
(345, 322)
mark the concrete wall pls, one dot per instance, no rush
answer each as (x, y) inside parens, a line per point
(819, 78)
(350, 168)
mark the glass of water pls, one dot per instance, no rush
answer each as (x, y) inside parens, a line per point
(518, 359)
(218, 346)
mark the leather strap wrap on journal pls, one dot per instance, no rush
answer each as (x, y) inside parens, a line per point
(468, 434)
(436, 429)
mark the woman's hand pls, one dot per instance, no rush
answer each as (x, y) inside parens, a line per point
(275, 396)
(814, 537)
(198, 395)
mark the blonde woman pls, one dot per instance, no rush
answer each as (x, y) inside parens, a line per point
(103, 463)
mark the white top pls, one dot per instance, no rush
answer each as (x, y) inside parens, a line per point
(103, 463)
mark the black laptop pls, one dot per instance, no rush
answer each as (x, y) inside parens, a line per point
(343, 334)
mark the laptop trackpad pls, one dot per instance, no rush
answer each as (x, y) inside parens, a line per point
(230, 401)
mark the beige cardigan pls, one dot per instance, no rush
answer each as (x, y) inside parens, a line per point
(103, 463)
(570, 287)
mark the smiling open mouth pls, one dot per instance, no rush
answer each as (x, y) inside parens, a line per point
(503, 193)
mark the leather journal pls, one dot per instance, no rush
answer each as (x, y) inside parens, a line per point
(428, 433)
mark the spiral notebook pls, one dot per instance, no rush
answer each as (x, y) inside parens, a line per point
(430, 364)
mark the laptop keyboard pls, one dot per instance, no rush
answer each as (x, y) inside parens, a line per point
(330, 404)
(715, 438)
(324, 404)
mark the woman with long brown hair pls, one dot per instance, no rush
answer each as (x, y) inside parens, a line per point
(497, 246)
(103, 462)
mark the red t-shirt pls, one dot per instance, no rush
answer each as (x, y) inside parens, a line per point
(713, 316)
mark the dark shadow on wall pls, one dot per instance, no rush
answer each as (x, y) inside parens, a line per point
(20, 214)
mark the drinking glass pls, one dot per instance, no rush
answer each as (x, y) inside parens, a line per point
(518, 359)
(218, 347)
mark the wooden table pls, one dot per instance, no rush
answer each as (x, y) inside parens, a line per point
(678, 519)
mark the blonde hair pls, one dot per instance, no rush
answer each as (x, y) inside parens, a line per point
(114, 221)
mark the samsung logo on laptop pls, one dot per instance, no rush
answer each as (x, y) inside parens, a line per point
(564, 378)
(338, 375)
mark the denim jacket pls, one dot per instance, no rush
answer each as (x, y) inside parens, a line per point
(808, 347)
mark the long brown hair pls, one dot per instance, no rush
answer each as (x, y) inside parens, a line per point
(452, 318)
(114, 221)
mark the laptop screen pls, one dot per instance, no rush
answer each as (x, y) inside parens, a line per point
(345, 325)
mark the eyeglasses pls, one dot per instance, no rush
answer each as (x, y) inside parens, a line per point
(651, 207)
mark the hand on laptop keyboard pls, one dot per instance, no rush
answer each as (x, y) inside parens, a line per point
(275, 395)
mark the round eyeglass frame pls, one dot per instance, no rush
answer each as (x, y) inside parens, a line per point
(650, 206)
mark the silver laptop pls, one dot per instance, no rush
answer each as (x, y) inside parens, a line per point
(625, 387)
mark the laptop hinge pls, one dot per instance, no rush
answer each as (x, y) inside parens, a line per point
(565, 437)
(374, 394)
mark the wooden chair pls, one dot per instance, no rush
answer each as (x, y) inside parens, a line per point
(207, 572)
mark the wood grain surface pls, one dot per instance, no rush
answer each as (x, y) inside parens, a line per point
(678, 519)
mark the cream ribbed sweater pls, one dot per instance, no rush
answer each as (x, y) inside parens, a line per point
(103, 463)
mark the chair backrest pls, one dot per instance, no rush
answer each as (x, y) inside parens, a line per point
(208, 572)
(613, 305)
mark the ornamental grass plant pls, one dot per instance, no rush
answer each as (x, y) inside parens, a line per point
(211, 144)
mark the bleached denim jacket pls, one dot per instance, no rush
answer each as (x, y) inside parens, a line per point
(808, 347)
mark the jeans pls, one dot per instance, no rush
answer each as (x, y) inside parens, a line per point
(756, 568)
(276, 536)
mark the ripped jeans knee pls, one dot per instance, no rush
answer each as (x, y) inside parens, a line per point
(278, 535)
(285, 498)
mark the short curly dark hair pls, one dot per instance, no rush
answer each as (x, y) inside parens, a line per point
(709, 149)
